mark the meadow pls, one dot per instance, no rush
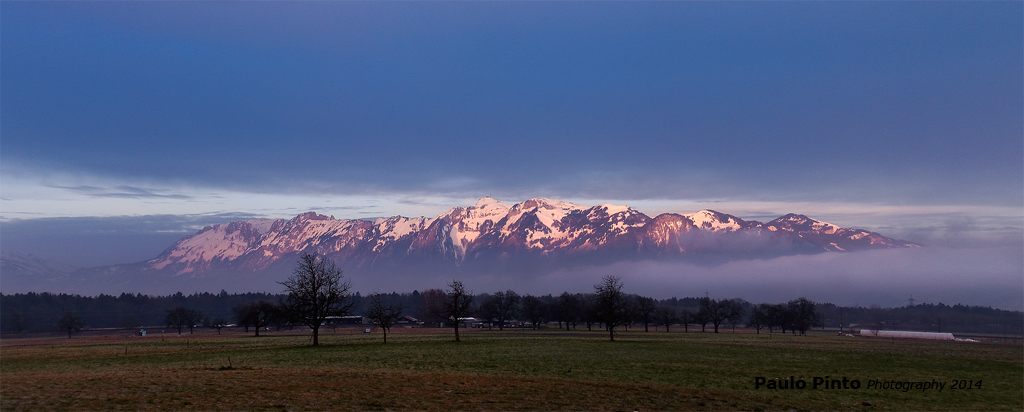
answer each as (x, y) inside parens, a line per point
(424, 369)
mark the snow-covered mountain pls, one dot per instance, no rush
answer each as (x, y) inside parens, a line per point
(489, 238)
(492, 234)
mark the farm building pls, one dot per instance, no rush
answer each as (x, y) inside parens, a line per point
(906, 334)
(345, 320)
(407, 320)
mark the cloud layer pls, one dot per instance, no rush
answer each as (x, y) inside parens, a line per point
(765, 101)
(985, 277)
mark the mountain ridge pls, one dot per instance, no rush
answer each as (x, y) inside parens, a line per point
(491, 230)
(488, 238)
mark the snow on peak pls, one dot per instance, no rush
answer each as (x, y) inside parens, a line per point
(546, 203)
(795, 218)
(397, 227)
(487, 200)
(471, 222)
(488, 208)
(800, 223)
(825, 227)
(263, 225)
(548, 210)
(549, 213)
(613, 209)
(224, 242)
(714, 221)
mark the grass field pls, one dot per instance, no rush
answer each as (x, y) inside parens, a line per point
(491, 370)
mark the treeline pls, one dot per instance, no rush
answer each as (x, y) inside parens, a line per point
(44, 311)
(927, 317)
(41, 311)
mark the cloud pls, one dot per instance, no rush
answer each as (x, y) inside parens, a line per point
(551, 102)
(94, 241)
(887, 278)
(341, 208)
(975, 276)
(123, 192)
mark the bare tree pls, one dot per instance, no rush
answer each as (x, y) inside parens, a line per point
(431, 311)
(734, 311)
(218, 324)
(181, 317)
(195, 320)
(457, 305)
(706, 312)
(611, 305)
(241, 317)
(568, 308)
(720, 312)
(802, 315)
(645, 311)
(382, 315)
(535, 310)
(686, 317)
(778, 316)
(665, 315)
(176, 318)
(315, 292)
(759, 317)
(501, 306)
(589, 314)
(259, 314)
(702, 317)
(70, 322)
(18, 322)
(279, 320)
(485, 309)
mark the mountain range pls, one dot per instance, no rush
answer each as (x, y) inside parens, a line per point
(488, 237)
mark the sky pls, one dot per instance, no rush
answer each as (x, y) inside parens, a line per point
(126, 125)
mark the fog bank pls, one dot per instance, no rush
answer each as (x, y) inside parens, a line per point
(985, 277)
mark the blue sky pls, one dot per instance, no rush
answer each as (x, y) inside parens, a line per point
(900, 117)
